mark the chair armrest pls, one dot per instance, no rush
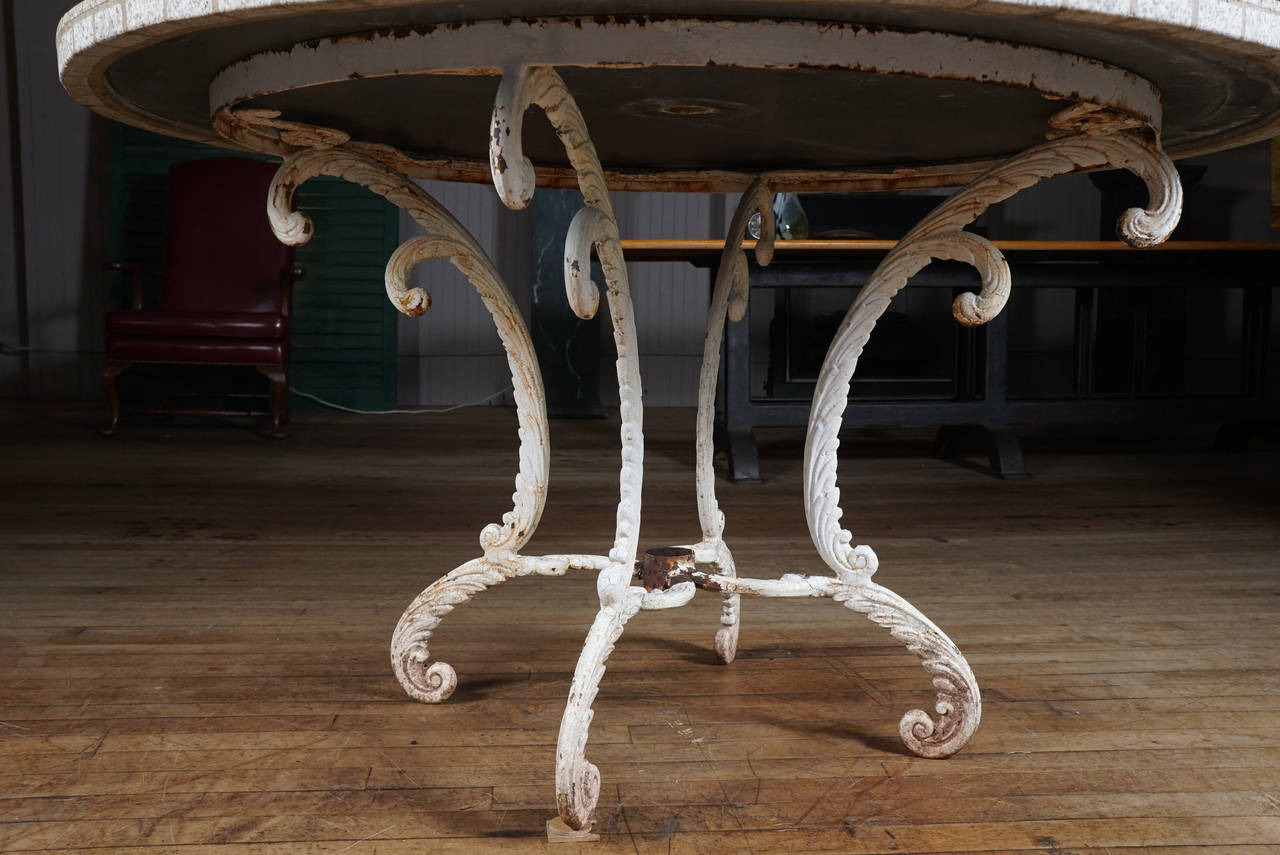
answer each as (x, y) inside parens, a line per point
(136, 271)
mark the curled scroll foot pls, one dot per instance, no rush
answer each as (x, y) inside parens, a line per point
(435, 682)
(430, 684)
(727, 644)
(925, 737)
(959, 705)
(578, 801)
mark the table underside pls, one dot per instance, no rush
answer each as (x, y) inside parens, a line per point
(666, 120)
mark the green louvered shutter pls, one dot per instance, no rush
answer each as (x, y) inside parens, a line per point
(344, 328)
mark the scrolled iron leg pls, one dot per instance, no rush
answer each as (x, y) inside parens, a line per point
(595, 226)
(726, 642)
(328, 154)
(959, 706)
(729, 297)
(577, 779)
(941, 235)
(435, 682)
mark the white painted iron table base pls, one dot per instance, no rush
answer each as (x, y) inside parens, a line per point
(1115, 140)
(1098, 116)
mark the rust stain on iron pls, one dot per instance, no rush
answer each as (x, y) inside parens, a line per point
(667, 566)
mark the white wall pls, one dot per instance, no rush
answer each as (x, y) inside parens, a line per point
(452, 355)
(670, 297)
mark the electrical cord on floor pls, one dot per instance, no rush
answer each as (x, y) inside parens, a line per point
(331, 405)
(7, 349)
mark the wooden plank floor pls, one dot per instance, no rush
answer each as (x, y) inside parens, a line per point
(194, 625)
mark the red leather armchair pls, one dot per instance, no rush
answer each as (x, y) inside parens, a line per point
(226, 284)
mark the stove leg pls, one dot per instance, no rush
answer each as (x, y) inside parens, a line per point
(743, 454)
(999, 444)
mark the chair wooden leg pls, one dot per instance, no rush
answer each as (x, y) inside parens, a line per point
(110, 372)
(279, 397)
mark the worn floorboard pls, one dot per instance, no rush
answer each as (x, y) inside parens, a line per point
(194, 629)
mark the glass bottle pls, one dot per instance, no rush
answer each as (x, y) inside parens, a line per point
(788, 214)
(790, 220)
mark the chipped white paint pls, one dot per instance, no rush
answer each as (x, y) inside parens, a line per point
(940, 235)
(958, 710)
(445, 238)
(1092, 137)
(434, 682)
(488, 47)
(594, 226)
(491, 47)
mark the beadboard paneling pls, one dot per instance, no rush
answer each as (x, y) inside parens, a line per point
(670, 298)
(452, 355)
(457, 333)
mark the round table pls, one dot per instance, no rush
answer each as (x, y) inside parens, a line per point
(689, 95)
